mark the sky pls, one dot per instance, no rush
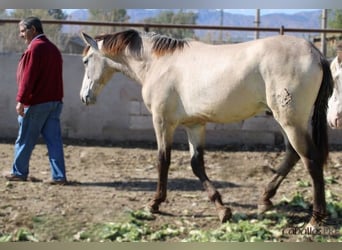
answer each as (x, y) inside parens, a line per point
(266, 11)
(248, 11)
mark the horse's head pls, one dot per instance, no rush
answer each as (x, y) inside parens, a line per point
(334, 114)
(98, 70)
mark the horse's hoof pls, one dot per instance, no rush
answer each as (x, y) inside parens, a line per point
(310, 226)
(312, 229)
(153, 208)
(224, 214)
(316, 221)
(262, 208)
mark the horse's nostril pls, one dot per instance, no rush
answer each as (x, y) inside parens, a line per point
(84, 99)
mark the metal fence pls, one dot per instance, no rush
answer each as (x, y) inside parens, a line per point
(148, 26)
(120, 117)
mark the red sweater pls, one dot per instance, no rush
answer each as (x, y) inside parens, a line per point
(39, 73)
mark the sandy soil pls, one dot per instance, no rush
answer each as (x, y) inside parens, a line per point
(108, 180)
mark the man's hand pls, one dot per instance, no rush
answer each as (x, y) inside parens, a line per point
(20, 109)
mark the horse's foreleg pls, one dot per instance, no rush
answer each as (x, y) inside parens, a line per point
(164, 135)
(197, 164)
(163, 164)
(196, 141)
(291, 158)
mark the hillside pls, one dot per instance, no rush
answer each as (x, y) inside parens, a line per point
(307, 19)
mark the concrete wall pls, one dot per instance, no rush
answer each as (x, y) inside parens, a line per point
(120, 115)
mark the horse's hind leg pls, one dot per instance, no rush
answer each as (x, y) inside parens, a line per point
(313, 161)
(290, 159)
(196, 136)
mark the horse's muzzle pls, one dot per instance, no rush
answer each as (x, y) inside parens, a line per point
(87, 100)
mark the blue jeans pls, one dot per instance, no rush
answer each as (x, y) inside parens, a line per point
(39, 119)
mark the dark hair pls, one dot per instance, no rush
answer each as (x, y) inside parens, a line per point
(33, 21)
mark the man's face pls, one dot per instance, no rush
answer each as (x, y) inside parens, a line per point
(26, 34)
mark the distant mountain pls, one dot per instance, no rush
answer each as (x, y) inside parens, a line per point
(77, 15)
(138, 15)
(307, 19)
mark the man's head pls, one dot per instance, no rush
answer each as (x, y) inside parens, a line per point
(29, 28)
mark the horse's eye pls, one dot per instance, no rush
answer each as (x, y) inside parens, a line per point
(85, 62)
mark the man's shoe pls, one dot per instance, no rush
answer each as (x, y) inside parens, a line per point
(58, 182)
(13, 177)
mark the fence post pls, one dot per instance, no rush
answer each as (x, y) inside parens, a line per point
(323, 35)
(257, 23)
(281, 31)
(146, 28)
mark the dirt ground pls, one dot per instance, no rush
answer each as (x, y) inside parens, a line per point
(109, 180)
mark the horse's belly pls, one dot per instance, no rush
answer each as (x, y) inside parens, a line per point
(235, 115)
(226, 113)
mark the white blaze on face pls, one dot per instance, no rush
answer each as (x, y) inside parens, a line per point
(334, 113)
(88, 79)
(98, 71)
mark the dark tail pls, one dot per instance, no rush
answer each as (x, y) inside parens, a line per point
(319, 118)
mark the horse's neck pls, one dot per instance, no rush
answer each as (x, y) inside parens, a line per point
(135, 69)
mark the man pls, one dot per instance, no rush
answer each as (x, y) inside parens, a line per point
(39, 102)
(336, 64)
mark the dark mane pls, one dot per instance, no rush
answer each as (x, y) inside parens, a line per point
(114, 44)
(163, 44)
(117, 42)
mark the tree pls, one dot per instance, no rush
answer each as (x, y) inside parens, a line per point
(336, 19)
(11, 41)
(57, 14)
(335, 22)
(3, 13)
(170, 17)
(112, 15)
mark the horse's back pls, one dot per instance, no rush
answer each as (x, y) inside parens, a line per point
(227, 83)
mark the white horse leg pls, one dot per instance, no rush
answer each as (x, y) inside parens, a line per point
(290, 160)
(164, 135)
(313, 160)
(196, 135)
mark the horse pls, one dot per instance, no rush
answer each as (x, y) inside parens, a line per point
(190, 83)
(334, 113)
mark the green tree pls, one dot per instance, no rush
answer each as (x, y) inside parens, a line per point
(12, 42)
(3, 13)
(111, 15)
(57, 14)
(335, 22)
(170, 17)
(335, 19)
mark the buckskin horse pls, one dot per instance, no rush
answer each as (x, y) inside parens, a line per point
(190, 83)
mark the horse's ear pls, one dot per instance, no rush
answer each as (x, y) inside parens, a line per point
(89, 40)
